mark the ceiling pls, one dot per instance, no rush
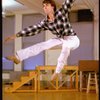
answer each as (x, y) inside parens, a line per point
(35, 6)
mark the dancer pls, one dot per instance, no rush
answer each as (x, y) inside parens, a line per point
(57, 21)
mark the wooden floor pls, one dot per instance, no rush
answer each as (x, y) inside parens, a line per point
(50, 96)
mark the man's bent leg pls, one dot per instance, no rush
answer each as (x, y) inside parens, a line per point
(61, 61)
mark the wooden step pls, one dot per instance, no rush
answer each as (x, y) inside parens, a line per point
(92, 83)
(16, 84)
(9, 89)
(92, 79)
(32, 73)
(92, 87)
(24, 78)
(25, 91)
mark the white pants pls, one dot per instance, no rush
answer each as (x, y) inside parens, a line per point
(68, 43)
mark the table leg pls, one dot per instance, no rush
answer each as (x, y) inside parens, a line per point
(80, 81)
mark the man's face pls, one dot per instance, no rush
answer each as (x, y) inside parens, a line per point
(48, 8)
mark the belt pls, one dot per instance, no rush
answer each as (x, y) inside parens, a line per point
(72, 34)
(62, 36)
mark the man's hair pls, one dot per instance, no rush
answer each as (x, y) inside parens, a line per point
(52, 2)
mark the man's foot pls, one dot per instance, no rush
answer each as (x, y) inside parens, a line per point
(54, 76)
(14, 59)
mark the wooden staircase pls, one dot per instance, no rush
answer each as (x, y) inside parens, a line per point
(15, 87)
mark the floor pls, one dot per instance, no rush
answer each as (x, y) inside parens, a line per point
(51, 96)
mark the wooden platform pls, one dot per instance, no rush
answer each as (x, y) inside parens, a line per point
(68, 74)
(67, 80)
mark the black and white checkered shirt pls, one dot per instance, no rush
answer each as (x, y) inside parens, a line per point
(60, 26)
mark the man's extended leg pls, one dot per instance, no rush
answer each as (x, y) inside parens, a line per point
(34, 50)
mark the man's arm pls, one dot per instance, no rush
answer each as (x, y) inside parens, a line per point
(67, 5)
(29, 31)
(69, 2)
(32, 30)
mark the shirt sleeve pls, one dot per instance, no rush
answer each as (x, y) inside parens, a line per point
(32, 30)
(67, 5)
